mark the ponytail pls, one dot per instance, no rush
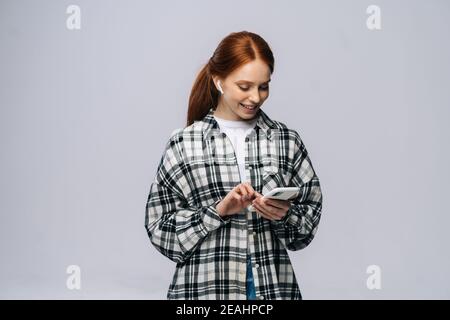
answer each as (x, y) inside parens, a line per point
(204, 95)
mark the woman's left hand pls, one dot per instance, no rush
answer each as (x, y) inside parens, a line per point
(271, 209)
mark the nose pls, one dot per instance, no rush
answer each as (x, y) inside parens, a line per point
(255, 98)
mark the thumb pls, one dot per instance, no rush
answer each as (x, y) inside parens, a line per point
(258, 194)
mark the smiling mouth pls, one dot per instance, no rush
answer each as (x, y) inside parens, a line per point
(248, 106)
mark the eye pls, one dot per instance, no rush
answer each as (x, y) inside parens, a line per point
(264, 88)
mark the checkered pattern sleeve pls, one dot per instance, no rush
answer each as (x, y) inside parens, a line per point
(175, 228)
(297, 229)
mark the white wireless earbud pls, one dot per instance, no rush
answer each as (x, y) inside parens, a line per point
(220, 88)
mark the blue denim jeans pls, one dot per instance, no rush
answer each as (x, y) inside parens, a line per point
(251, 291)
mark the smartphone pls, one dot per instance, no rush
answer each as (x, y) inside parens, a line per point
(280, 193)
(283, 193)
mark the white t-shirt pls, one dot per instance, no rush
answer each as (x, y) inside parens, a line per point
(237, 130)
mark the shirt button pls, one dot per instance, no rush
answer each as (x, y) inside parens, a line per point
(256, 265)
(243, 270)
(246, 139)
(261, 298)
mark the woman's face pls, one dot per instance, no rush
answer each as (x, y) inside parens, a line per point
(245, 90)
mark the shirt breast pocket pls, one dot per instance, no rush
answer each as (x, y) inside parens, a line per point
(273, 175)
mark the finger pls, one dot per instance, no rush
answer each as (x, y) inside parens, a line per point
(266, 214)
(280, 204)
(244, 191)
(240, 190)
(258, 194)
(276, 212)
(274, 203)
(250, 190)
(240, 200)
(260, 213)
(258, 197)
(246, 198)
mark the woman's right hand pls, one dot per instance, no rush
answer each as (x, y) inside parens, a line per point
(237, 199)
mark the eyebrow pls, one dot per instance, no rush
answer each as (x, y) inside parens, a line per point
(246, 81)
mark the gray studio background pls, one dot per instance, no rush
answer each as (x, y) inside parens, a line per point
(85, 115)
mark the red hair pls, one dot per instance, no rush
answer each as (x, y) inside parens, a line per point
(235, 50)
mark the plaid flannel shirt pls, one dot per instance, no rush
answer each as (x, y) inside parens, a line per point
(197, 170)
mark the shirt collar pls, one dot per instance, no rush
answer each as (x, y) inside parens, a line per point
(211, 127)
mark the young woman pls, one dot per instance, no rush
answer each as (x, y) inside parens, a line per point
(224, 160)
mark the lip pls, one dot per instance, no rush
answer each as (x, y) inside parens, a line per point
(252, 105)
(250, 111)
